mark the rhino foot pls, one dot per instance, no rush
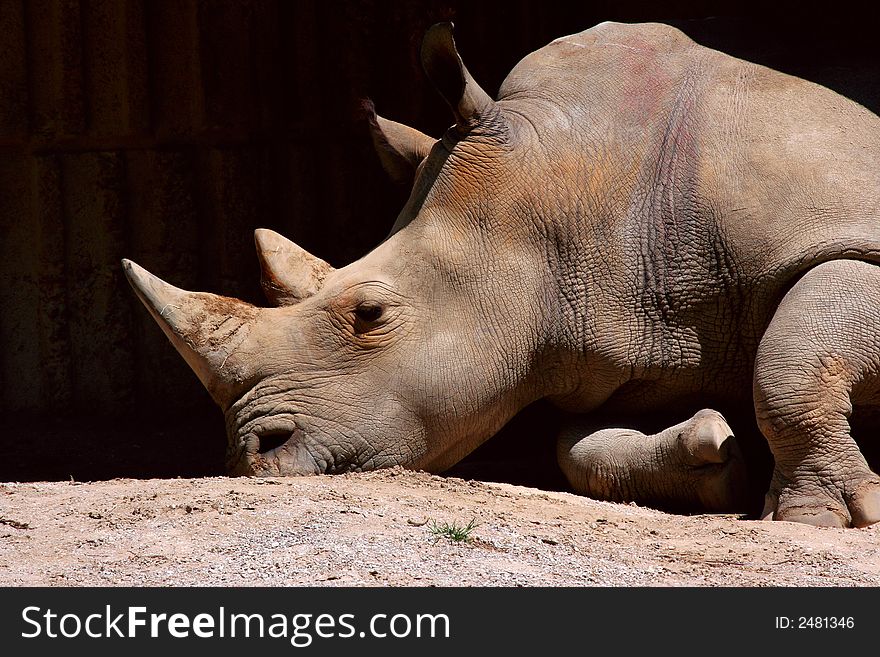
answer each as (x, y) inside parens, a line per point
(693, 466)
(711, 461)
(817, 365)
(821, 500)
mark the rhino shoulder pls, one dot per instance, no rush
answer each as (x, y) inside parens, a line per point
(603, 50)
(638, 36)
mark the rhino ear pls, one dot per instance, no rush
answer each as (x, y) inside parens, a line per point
(400, 148)
(289, 273)
(448, 74)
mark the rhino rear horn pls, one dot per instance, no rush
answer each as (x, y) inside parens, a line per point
(400, 148)
(447, 72)
(289, 273)
(210, 332)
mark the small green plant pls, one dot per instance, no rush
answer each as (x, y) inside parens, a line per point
(454, 532)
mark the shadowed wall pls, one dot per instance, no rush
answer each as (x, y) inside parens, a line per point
(165, 132)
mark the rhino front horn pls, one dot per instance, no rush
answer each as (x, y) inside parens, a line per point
(289, 273)
(208, 330)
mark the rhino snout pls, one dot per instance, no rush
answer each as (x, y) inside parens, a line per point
(270, 441)
(272, 451)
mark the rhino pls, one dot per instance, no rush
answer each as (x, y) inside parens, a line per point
(637, 224)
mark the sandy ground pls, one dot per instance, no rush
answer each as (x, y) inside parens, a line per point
(375, 529)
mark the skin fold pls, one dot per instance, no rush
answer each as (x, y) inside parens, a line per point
(621, 231)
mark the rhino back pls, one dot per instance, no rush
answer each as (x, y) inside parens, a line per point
(762, 152)
(712, 182)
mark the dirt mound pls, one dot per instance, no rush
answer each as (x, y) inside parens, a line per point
(383, 528)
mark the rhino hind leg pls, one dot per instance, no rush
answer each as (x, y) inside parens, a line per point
(818, 361)
(691, 467)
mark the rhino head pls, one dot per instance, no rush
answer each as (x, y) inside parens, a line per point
(414, 354)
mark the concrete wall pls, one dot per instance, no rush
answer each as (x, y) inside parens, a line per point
(166, 132)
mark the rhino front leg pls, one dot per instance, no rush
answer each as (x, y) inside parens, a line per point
(819, 358)
(690, 467)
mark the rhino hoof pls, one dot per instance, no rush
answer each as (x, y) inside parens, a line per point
(715, 463)
(822, 508)
(707, 439)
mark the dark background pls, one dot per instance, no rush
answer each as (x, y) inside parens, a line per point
(165, 132)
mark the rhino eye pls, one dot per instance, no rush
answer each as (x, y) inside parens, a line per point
(368, 311)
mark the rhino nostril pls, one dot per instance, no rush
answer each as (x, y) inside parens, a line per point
(272, 440)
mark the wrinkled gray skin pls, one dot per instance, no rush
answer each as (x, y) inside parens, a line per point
(637, 223)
